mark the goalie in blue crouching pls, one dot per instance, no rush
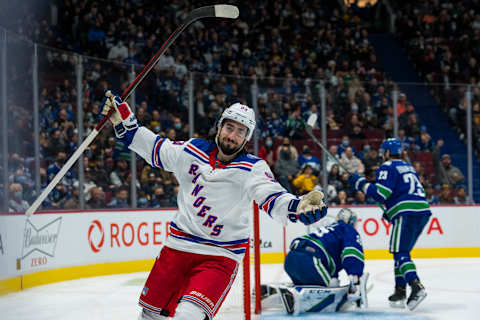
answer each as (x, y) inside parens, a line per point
(313, 265)
(398, 187)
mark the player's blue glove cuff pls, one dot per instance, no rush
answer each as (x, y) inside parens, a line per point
(292, 207)
(356, 181)
(312, 216)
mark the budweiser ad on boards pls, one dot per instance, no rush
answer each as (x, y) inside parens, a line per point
(39, 243)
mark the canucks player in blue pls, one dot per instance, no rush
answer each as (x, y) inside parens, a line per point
(316, 258)
(398, 187)
(313, 264)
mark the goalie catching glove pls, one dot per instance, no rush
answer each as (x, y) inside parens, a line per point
(309, 209)
(122, 119)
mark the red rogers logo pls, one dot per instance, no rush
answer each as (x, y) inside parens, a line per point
(96, 247)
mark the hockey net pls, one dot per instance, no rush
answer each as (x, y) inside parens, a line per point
(241, 303)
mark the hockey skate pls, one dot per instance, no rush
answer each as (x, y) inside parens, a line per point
(397, 299)
(417, 294)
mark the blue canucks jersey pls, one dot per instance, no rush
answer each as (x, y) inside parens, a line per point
(399, 188)
(338, 244)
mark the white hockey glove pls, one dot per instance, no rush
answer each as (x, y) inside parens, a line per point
(310, 208)
(122, 119)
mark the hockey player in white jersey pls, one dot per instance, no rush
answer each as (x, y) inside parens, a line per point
(218, 183)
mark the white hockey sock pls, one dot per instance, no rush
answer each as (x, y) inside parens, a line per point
(149, 315)
(189, 311)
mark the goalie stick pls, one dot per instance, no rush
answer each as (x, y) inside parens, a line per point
(213, 11)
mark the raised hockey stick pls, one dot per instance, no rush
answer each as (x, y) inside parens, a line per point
(214, 11)
(309, 128)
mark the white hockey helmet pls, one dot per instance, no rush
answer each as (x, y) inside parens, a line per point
(242, 114)
(348, 216)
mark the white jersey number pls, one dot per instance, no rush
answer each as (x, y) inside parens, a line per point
(415, 185)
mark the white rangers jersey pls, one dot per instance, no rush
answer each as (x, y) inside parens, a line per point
(215, 200)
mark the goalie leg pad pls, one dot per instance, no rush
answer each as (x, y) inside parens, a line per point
(318, 299)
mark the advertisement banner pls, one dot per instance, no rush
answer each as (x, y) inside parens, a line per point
(56, 240)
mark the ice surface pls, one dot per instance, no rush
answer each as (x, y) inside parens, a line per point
(453, 288)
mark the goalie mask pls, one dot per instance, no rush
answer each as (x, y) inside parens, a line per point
(239, 113)
(348, 216)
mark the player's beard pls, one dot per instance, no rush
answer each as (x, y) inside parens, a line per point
(227, 148)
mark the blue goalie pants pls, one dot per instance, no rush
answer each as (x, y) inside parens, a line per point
(306, 265)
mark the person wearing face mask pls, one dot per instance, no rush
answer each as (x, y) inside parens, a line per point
(120, 200)
(344, 145)
(270, 155)
(291, 148)
(118, 51)
(15, 200)
(181, 131)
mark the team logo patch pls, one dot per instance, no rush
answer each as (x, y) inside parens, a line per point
(144, 291)
(270, 177)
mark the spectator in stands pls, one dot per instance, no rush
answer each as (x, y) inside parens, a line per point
(306, 181)
(448, 174)
(286, 144)
(97, 199)
(286, 167)
(333, 150)
(120, 200)
(16, 203)
(160, 199)
(407, 142)
(181, 130)
(341, 199)
(118, 52)
(445, 196)
(55, 167)
(295, 125)
(119, 176)
(330, 193)
(360, 198)
(89, 182)
(430, 195)
(142, 201)
(424, 142)
(334, 177)
(344, 145)
(412, 127)
(306, 158)
(270, 155)
(351, 162)
(401, 104)
(58, 196)
(420, 169)
(461, 195)
(370, 158)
